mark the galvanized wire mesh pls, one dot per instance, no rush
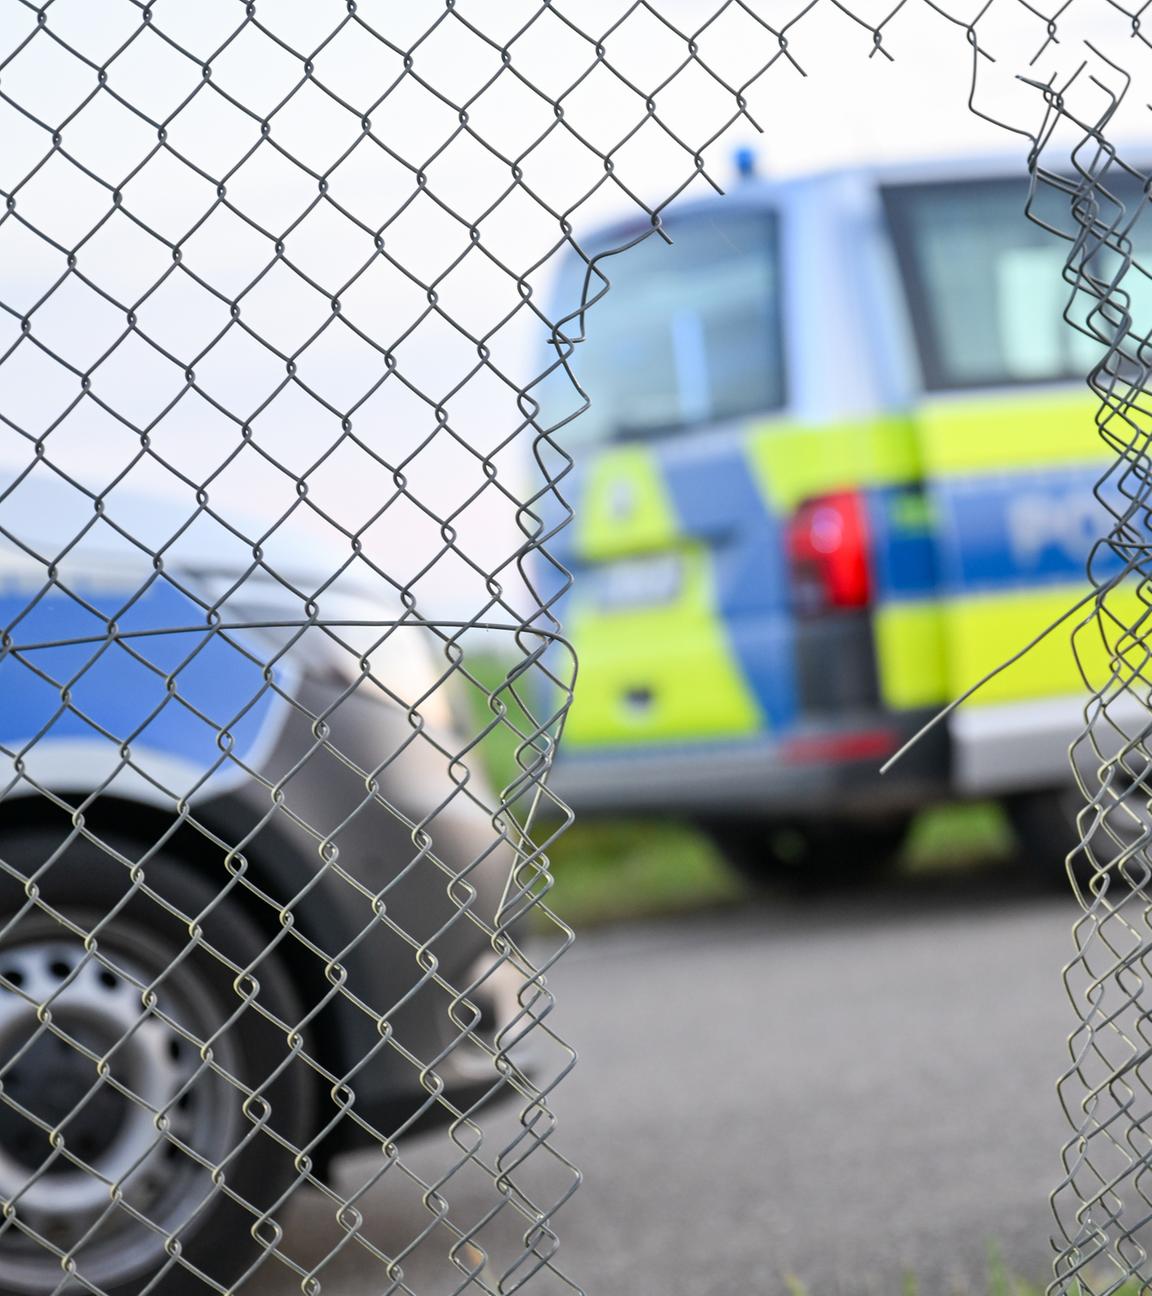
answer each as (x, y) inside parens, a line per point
(1101, 1205)
(270, 276)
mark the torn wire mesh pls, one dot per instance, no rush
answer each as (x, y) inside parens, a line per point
(1101, 1206)
(277, 593)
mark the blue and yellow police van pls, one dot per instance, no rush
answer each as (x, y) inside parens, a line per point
(838, 466)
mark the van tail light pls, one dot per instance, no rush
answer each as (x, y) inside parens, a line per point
(828, 552)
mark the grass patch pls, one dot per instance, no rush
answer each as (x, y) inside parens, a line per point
(611, 870)
(998, 1282)
(957, 837)
(633, 868)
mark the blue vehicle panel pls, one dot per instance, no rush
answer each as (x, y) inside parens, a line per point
(164, 684)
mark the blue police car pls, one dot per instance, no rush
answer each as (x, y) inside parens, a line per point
(247, 890)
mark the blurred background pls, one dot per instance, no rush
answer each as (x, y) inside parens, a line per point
(837, 467)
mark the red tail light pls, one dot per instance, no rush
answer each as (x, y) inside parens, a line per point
(828, 551)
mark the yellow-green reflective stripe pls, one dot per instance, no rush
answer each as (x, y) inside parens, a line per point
(1024, 431)
(792, 462)
(650, 674)
(1019, 433)
(659, 674)
(625, 507)
(929, 652)
(910, 658)
(982, 633)
(630, 691)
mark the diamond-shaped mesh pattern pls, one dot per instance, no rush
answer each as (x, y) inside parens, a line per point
(1102, 1205)
(278, 490)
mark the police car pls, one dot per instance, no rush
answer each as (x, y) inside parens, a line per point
(838, 466)
(243, 898)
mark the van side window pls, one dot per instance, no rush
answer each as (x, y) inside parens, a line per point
(985, 288)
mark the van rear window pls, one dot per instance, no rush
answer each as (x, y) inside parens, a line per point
(689, 333)
(984, 284)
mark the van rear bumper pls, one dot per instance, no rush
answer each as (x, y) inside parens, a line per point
(1023, 746)
(815, 770)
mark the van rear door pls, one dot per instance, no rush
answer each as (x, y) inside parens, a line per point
(671, 539)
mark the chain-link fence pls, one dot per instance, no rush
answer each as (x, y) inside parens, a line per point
(279, 471)
(1101, 1205)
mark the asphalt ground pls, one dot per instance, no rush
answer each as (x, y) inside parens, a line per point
(845, 1089)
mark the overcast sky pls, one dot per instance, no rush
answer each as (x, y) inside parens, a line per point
(849, 107)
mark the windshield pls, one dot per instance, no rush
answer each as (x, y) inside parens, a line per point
(984, 284)
(689, 333)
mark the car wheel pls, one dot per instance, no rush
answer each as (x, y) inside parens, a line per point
(1049, 826)
(151, 1106)
(806, 855)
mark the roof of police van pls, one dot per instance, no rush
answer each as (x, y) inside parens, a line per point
(760, 189)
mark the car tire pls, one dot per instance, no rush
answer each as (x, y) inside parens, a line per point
(808, 856)
(1048, 834)
(167, 1073)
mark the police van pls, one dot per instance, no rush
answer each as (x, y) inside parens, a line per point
(838, 466)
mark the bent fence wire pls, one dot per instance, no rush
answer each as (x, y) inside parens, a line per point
(279, 483)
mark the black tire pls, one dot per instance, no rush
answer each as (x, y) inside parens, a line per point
(808, 856)
(206, 1102)
(1048, 839)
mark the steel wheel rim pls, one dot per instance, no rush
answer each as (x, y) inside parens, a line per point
(146, 1155)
